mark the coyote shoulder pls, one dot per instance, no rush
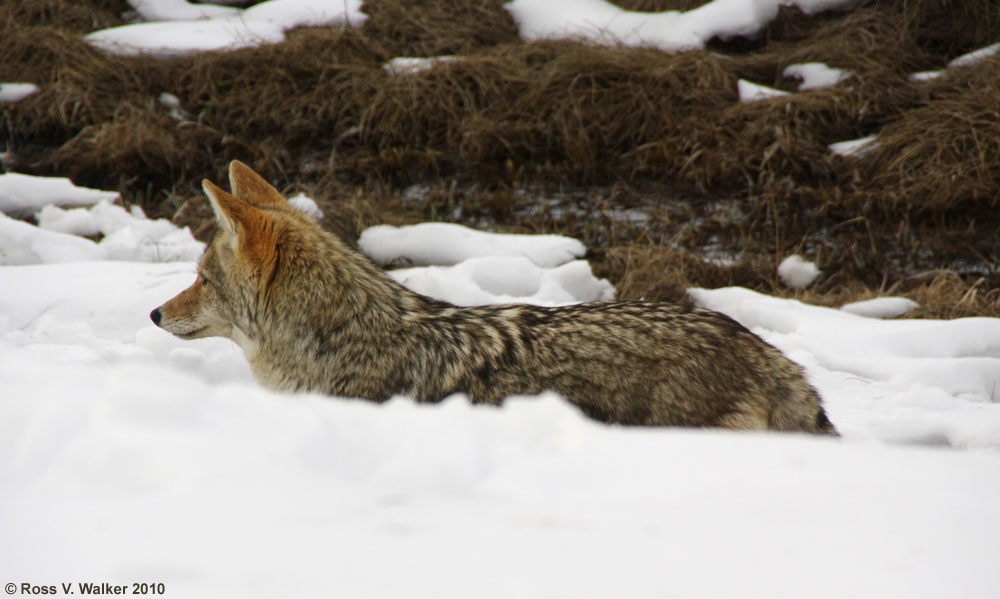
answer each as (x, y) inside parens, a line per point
(310, 313)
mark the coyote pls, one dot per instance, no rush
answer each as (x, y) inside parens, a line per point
(310, 313)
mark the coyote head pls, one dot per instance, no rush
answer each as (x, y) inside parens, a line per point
(258, 231)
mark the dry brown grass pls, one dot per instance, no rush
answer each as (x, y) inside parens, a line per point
(495, 136)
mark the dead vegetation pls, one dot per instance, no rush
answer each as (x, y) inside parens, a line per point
(561, 136)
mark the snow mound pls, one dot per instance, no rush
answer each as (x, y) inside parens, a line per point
(750, 92)
(24, 195)
(881, 307)
(602, 22)
(15, 92)
(508, 279)
(127, 235)
(448, 244)
(815, 75)
(305, 204)
(190, 29)
(796, 272)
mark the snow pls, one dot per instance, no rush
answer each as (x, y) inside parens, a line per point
(23, 195)
(178, 10)
(128, 235)
(796, 272)
(15, 92)
(306, 204)
(855, 147)
(173, 104)
(410, 65)
(602, 22)
(505, 279)
(881, 307)
(966, 60)
(178, 28)
(925, 75)
(975, 56)
(751, 92)
(911, 381)
(449, 244)
(815, 75)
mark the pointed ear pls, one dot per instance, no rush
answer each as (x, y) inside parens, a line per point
(251, 187)
(252, 229)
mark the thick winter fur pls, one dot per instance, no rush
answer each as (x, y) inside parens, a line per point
(312, 314)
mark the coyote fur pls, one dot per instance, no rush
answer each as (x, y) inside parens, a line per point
(311, 313)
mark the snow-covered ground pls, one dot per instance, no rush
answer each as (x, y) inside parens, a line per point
(130, 456)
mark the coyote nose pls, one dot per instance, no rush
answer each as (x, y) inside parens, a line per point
(155, 316)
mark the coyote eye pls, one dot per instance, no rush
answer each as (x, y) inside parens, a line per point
(206, 279)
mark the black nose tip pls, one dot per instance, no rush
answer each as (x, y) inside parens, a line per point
(155, 316)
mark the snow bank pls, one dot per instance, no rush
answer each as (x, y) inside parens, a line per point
(470, 267)
(127, 235)
(448, 244)
(912, 381)
(501, 280)
(24, 195)
(226, 491)
(603, 22)
(182, 28)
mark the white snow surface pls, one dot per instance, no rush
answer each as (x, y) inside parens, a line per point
(975, 56)
(602, 22)
(751, 92)
(23, 195)
(855, 147)
(128, 455)
(797, 272)
(966, 60)
(411, 65)
(306, 204)
(179, 10)
(449, 244)
(127, 235)
(815, 75)
(15, 92)
(179, 28)
(881, 307)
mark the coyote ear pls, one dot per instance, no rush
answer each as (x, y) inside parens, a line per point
(252, 229)
(251, 187)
